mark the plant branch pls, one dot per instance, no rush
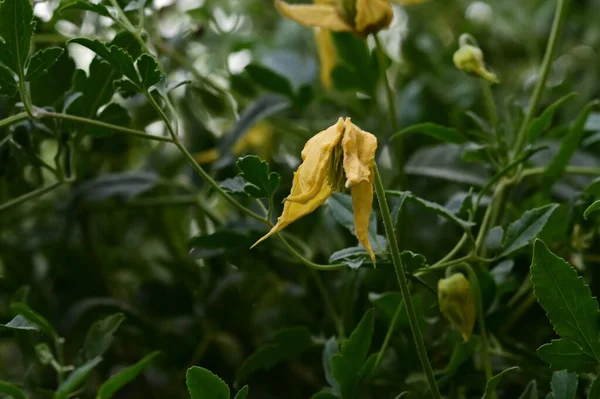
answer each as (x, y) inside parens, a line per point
(26, 197)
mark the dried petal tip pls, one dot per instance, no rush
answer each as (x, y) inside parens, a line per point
(469, 59)
(457, 303)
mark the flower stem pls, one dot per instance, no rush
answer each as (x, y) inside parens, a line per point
(490, 106)
(31, 195)
(388, 338)
(403, 282)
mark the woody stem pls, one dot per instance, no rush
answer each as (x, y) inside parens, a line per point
(403, 282)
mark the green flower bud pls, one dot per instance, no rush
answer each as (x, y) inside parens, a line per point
(469, 58)
(457, 303)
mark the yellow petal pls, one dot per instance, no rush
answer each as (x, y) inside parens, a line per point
(312, 173)
(372, 15)
(207, 156)
(327, 55)
(324, 16)
(359, 154)
(293, 211)
(362, 203)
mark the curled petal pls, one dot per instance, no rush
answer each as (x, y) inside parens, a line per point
(372, 15)
(359, 154)
(322, 15)
(362, 203)
(312, 174)
(293, 211)
(327, 55)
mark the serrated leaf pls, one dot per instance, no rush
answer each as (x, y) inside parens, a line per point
(566, 299)
(34, 318)
(347, 364)
(568, 146)
(565, 354)
(8, 84)
(12, 390)
(270, 80)
(544, 121)
(86, 5)
(76, 379)
(149, 70)
(123, 377)
(100, 336)
(116, 56)
(524, 230)
(40, 62)
(287, 344)
(202, 384)
(16, 31)
(590, 209)
(260, 182)
(439, 132)
(242, 393)
(564, 385)
(493, 382)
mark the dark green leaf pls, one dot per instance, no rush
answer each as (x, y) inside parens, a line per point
(242, 393)
(442, 133)
(568, 146)
(354, 257)
(590, 209)
(564, 385)
(203, 384)
(21, 323)
(34, 318)
(544, 121)
(287, 344)
(218, 243)
(270, 80)
(354, 53)
(40, 62)
(86, 5)
(347, 365)
(114, 55)
(330, 350)
(123, 377)
(494, 381)
(76, 379)
(100, 336)
(260, 183)
(521, 232)
(342, 210)
(594, 188)
(149, 71)
(565, 354)
(96, 89)
(531, 391)
(324, 395)
(566, 299)
(16, 30)
(8, 84)
(123, 185)
(595, 389)
(12, 390)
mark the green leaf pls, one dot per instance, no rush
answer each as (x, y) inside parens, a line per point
(439, 132)
(270, 80)
(354, 257)
(565, 354)
(149, 71)
(324, 395)
(16, 31)
(354, 53)
(287, 344)
(564, 385)
(491, 385)
(590, 209)
(330, 350)
(86, 5)
(100, 336)
(260, 183)
(203, 384)
(12, 390)
(567, 147)
(242, 393)
(40, 62)
(595, 389)
(524, 230)
(21, 323)
(45, 356)
(219, 243)
(531, 391)
(435, 208)
(113, 114)
(76, 379)
(8, 84)
(544, 121)
(34, 318)
(123, 377)
(566, 299)
(116, 56)
(346, 366)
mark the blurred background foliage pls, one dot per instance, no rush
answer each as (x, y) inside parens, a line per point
(117, 240)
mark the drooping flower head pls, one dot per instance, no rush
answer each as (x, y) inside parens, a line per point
(457, 303)
(359, 16)
(342, 156)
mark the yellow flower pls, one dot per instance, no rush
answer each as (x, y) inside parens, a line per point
(342, 155)
(359, 16)
(457, 303)
(469, 58)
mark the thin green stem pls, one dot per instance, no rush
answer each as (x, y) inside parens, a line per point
(489, 218)
(545, 71)
(127, 25)
(388, 338)
(453, 252)
(339, 325)
(26, 197)
(25, 95)
(490, 107)
(11, 120)
(60, 355)
(403, 282)
(574, 170)
(307, 262)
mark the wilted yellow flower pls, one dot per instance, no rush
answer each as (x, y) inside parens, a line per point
(341, 156)
(469, 58)
(457, 303)
(359, 16)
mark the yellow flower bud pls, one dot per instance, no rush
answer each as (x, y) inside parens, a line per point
(469, 58)
(457, 303)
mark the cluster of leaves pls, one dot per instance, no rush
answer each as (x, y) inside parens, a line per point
(133, 185)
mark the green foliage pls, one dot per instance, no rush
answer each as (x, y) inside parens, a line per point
(123, 377)
(495, 381)
(203, 384)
